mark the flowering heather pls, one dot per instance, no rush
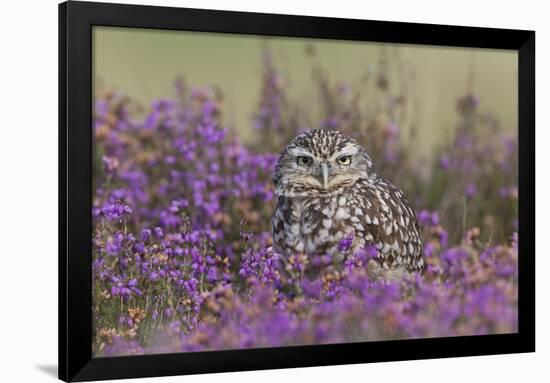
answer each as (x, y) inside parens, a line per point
(182, 257)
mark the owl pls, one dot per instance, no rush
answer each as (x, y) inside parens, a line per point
(327, 191)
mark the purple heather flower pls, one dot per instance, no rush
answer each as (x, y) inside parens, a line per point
(145, 234)
(112, 247)
(110, 163)
(393, 129)
(424, 217)
(153, 276)
(371, 251)
(429, 249)
(139, 248)
(159, 233)
(428, 218)
(345, 243)
(102, 107)
(470, 190)
(445, 161)
(170, 159)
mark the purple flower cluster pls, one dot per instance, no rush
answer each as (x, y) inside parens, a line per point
(182, 256)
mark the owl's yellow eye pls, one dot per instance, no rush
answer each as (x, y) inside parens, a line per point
(344, 160)
(303, 160)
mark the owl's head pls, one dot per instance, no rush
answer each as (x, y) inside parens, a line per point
(320, 162)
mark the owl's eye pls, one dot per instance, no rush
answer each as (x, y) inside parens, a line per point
(303, 160)
(344, 160)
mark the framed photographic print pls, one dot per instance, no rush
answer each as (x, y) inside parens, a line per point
(326, 190)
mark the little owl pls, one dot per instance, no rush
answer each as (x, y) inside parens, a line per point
(327, 191)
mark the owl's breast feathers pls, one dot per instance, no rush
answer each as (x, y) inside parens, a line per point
(371, 211)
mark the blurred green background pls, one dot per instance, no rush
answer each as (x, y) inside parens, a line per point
(144, 63)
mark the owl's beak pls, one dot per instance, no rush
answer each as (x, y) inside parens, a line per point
(325, 174)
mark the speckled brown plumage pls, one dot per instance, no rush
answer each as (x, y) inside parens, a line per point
(323, 199)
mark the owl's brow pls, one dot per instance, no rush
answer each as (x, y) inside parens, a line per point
(348, 150)
(299, 152)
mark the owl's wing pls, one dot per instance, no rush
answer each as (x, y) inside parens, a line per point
(282, 215)
(391, 226)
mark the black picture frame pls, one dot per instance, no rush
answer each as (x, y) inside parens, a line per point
(75, 190)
